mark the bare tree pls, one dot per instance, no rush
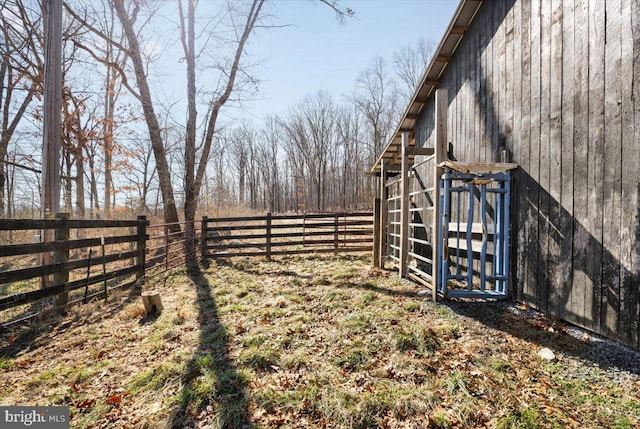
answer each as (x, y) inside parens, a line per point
(410, 62)
(21, 51)
(310, 132)
(376, 99)
(267, 158)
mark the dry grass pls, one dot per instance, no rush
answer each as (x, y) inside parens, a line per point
(322, 342)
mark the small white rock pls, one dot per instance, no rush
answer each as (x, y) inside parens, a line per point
(547, 354)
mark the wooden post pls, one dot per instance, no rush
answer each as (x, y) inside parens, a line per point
(166, 246)
(335, 233)
(141, 235)
(440, 151)
(203, 241)
(376, 233)
(152, 302)
(52, 105)
(131, 247)
(268, 241)
(61, 256)
(384, 213)
(404, 206)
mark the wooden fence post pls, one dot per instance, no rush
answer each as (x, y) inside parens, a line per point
(376, 233)
(404, 207)
(203, 240)
(141, 235)
(335, 233)
(166, 246)
(61, 256)
(440, 151)
(384, 211)
(268, 232)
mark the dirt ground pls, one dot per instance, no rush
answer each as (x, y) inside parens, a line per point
(324, 342)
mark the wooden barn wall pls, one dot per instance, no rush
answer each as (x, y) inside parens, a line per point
(557, 83)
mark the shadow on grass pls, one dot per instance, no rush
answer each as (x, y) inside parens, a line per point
(30, 335)
(211, 383)
(373, 288)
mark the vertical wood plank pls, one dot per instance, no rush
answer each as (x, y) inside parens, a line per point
(477, 79)
(596, 155)
(582, 283)
(404, 206)
(488, 91)
(61, 256)
(545, 145)
(508, 83)
(558, 238)
(376, 231)
(519, 145)
(633, 152)
(203, 239)
(526, 183)
(496, 83)
(268, 234)
(566, 215)
(630, 227)
(533, 192)
(501, 85)
(141, 247)
(384, 212)
(612, 171)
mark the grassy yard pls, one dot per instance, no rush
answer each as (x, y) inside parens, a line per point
(327, 342)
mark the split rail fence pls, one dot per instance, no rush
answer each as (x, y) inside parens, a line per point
(84, 260)
(81, 260)
(279, 235)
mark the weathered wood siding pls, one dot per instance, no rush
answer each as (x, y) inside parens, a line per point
(557, 83)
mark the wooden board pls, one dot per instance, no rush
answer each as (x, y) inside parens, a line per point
(558, 240)
(566, 214)
(544, 226)
(631, 157)
(582, 283)
(595, 159)
(612, 171)
(524, 181)
(630, 202)
(534, 289)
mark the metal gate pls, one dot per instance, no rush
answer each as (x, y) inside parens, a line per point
(474, 234)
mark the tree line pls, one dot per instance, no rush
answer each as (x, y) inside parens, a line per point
(124, 147)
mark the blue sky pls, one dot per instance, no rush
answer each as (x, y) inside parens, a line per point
(316, 52)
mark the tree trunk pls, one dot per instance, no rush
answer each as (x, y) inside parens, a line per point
(164, 175)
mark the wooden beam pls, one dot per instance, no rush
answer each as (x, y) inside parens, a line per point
(404, 207)
(426, 151)
(458, 30)
(442, 102)
(384, 214)
(377, 203)
(443, 59)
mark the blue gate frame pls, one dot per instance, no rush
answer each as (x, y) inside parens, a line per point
(473, 228)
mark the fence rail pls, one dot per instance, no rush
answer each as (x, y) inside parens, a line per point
(106, 253)
(88, 258)
(279, 235)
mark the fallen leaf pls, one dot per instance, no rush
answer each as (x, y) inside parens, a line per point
(114, 400)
